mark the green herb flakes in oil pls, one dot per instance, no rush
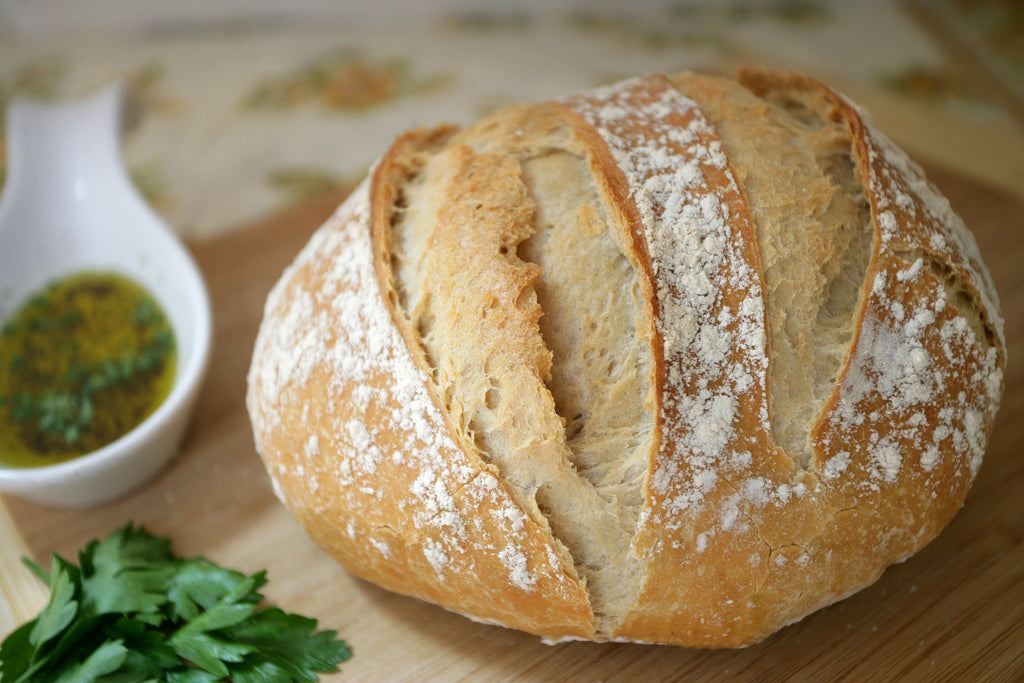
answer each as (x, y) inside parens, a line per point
(81, 364)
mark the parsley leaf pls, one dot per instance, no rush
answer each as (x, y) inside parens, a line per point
(133, 611)
(58, 613)
(128, 572)
(17, 655)
(105, 659)
(287, 644)
(199, 584)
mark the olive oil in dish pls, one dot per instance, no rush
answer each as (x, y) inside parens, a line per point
(82, 363)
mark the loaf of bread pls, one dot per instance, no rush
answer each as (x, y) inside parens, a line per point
(676, 360)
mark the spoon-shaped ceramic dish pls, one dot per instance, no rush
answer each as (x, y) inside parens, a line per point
(68, 205)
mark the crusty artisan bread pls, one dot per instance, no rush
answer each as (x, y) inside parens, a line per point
(677, 360)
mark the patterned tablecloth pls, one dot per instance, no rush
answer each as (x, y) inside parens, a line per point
(247, 107)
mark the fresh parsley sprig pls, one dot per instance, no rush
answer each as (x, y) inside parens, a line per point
(133, 611)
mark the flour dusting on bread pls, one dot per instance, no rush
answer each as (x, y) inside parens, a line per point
(665, 147)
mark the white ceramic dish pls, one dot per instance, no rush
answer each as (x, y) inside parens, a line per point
(69, 205)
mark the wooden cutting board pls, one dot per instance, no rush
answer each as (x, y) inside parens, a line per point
(956, 610)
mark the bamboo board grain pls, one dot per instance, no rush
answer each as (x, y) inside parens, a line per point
(956, 610)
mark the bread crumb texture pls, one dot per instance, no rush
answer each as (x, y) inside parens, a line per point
(677, 360)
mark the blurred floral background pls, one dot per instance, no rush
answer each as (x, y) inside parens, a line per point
(247, 107)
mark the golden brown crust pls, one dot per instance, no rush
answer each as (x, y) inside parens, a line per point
(735, 537)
